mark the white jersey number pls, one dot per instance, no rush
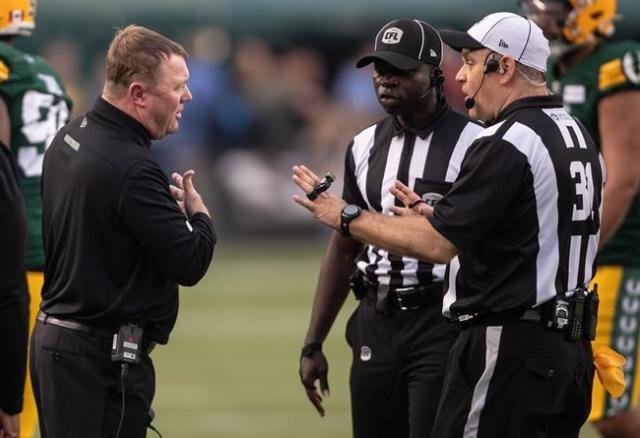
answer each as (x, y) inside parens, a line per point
(41, 120)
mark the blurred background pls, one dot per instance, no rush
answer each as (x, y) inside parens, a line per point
(274, 84)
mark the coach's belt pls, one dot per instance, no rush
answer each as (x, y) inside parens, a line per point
(73, 325)
(404, 298)
(147, 345)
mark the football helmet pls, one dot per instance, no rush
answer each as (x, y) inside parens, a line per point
(17, 17)
(579, 21)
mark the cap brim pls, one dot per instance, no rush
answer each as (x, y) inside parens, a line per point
(397, 60)
(459, 40)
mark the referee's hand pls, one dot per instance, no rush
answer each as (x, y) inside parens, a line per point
(312, 369)
(326, 207)
(413, 203)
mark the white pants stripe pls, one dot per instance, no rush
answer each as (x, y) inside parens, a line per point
(479, 398)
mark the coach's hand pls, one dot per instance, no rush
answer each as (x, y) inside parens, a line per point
(412, 202)
(312, 369)
(326, 207)
(186, 195)
(9, 425)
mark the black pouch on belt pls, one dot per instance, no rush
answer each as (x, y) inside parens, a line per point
(591, 304)
(577, 300)
(356, 283)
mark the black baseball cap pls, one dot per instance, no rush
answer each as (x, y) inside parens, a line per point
(405, 44)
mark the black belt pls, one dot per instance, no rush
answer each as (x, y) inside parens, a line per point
(147, 345)
(467, 320)
(404, 298)
(74, 325)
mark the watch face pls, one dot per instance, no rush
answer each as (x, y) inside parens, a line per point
(351, 210)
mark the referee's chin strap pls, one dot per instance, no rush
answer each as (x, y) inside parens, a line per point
(609, 365)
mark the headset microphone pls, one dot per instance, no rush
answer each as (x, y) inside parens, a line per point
(436, 82)
(490, 66)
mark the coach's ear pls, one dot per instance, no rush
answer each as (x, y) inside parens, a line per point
(137, 93)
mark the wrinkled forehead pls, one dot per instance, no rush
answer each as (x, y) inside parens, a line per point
(477, 55)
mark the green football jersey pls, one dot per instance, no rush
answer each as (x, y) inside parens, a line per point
(611, 68)
(38, 106)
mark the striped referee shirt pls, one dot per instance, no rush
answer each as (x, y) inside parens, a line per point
(428, 161)
(524, 212)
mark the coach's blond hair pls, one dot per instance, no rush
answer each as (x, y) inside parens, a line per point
(134, 55)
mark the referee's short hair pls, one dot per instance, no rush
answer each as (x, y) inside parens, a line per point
(134, 54)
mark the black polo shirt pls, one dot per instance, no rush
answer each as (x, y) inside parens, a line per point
(116, 244)
(524, 211)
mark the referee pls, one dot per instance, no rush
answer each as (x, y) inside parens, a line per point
(524, 217)
(118, 240)
(399, 338)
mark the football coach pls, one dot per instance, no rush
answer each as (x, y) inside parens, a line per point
(118, 241)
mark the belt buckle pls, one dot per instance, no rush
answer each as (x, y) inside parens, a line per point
(466, 320)
(398, 293)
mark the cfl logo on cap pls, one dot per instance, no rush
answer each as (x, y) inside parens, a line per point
(393, 35)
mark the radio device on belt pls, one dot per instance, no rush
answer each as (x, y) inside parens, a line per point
(576, 315)
(127, 344)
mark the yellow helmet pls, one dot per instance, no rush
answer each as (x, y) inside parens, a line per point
(17, 17)
(580, 20)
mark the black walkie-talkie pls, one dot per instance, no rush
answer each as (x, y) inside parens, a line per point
(592, 302)
(127, 344)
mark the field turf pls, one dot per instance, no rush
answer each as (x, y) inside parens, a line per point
(230, 369)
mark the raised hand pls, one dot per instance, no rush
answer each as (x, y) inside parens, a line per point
(185, 193)
(326, 207)
(413, 204)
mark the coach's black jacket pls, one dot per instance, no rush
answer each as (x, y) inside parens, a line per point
(116, 244)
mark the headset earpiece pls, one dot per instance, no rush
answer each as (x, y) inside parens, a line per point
(437, 78)
(491, 65)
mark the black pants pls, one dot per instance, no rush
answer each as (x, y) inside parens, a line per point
(77, 387)
(397, 369)
(518, 380)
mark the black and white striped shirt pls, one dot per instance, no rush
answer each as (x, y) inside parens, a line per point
(524, 212)
(427, 161)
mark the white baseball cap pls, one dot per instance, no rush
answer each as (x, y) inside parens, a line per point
(507, 34)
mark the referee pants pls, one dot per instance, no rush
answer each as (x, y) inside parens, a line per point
(78, 389)
(517, 380)
(397, 369)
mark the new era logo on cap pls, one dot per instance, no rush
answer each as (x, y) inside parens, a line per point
(405, 44)
(393, 35)
(527, 44)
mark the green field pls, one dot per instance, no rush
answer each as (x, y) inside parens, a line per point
(230, 369)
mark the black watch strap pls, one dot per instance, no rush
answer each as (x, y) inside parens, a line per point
(310, 348)
(349, 212)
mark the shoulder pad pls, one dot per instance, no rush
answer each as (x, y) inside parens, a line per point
(619, 71)
(4, 71)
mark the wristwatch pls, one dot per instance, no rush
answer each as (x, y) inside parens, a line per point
(310, 348)
(348, 213)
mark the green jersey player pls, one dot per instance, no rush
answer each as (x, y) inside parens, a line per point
(33, 106)
(599, 81)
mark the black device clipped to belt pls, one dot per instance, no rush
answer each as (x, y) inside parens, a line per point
(576, 315)
(126, 349)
